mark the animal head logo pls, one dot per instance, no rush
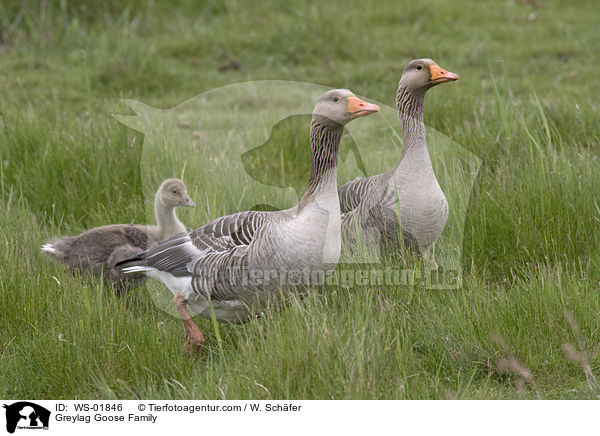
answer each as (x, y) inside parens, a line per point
(245, 146)
(26, 415)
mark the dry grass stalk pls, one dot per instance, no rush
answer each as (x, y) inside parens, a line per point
(512, 365)
(575, 356)
(578, 358)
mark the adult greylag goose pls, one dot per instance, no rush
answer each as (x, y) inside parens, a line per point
(410, 186)
(99, 249)
(242, 262)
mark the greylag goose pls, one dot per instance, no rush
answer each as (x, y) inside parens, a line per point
(99, 249)
(410, 186)
(240, 263)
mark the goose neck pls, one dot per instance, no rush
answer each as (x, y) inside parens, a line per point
(409, 104)
(324, 143)
(166, 219)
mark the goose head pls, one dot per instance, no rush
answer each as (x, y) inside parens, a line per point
(173, 193)
(340, 106)
(422, 74)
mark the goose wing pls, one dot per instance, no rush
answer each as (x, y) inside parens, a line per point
(205, 253)
(352, 193)
(229, 231)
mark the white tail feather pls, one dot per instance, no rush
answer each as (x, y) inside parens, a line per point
(48, 248)
(134, 269)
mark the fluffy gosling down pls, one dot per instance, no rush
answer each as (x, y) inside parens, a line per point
(97, 250)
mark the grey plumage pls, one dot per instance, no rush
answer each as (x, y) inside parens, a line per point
(352, 192)
(372, 203)
(97, 250)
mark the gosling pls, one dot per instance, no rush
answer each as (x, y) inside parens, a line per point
(97, 250)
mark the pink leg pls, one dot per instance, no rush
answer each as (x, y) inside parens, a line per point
(194, 339)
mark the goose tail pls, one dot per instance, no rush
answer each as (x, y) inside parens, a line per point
(136, 269)
(48, 248)
(132, 264)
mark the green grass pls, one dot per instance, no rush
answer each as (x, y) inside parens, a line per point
(526, 105)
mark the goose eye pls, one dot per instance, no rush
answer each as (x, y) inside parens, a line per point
(419, 67)
(336, 99)
(174, 191)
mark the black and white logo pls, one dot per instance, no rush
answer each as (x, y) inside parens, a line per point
(26, 415)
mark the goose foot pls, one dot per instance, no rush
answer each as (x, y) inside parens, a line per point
(193, 345)
(194, 339)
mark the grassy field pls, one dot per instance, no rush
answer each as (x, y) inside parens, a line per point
(526, 105)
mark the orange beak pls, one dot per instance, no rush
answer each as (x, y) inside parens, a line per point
(438, 75)
(359, 108)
